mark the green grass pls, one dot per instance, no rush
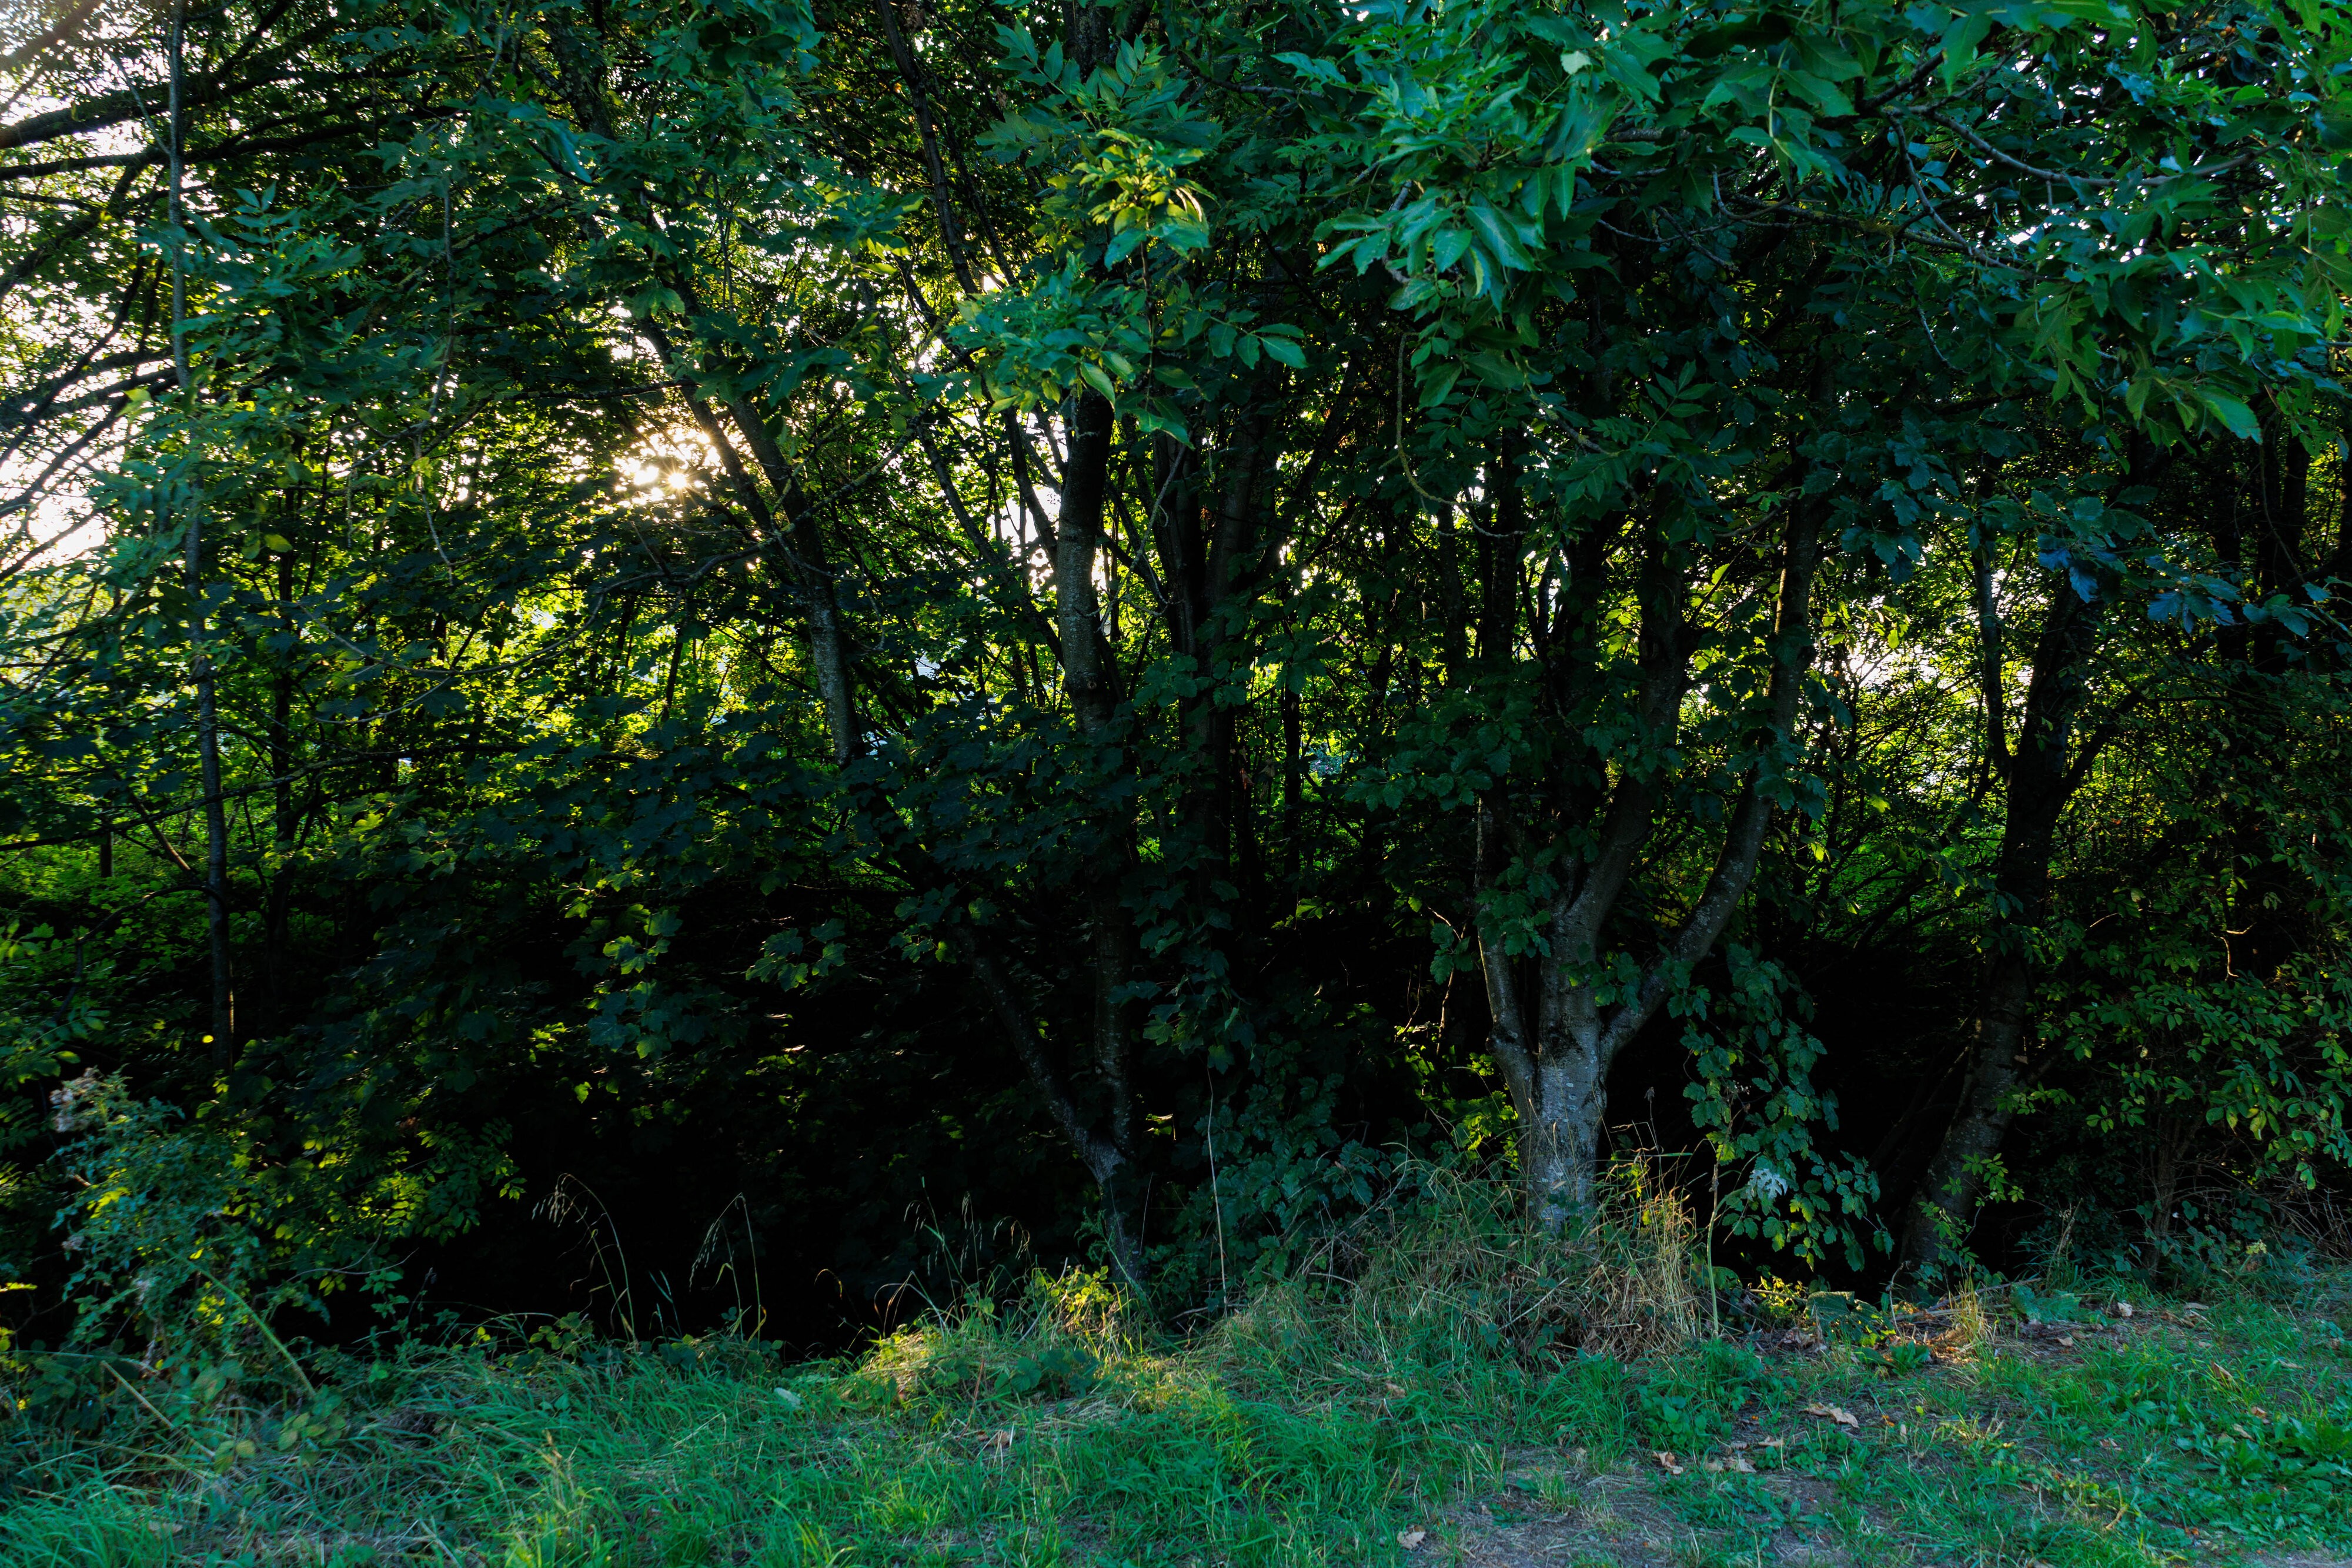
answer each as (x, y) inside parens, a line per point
(1307, 1431)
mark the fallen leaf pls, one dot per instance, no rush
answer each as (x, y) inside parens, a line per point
(162, 1527)
(1411, 1540)
(2110, 1446)
(1773, 1443)
(2067, 1340)
(1712, 1467)
(2123, 1309)
(998, 1442)
(1667, 1462)
(1831, 1413)
(1738, 1465)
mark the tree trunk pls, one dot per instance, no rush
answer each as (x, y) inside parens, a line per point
(830, 654)
(281, 784)
(1089, 682)
(1556, 1046)
(1294, 783)
(2042, 773)
(1209, 571)
(789, 532)
(224, 1013)
(1560, 1150)
(798, 545)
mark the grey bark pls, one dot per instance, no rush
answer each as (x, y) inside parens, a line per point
(1556, 1045)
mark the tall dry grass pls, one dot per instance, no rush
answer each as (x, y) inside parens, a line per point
(1446, 1287)
(1456, 1272)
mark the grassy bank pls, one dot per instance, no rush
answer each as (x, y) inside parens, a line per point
(1400, 1419)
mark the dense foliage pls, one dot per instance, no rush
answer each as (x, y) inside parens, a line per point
(824, 641)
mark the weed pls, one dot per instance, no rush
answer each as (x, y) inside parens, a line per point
(1973, 1327)
(1693, 1402)
(1782, 1301)
(1330, 1419)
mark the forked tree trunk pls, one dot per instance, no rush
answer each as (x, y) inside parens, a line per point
(1557, 1045)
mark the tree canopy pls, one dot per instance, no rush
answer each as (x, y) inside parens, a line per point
(1140, 615)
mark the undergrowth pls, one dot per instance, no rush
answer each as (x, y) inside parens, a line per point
(1443, 1386)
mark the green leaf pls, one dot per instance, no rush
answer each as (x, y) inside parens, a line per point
(1960, 41)
(1501, 242)
(2236, 415)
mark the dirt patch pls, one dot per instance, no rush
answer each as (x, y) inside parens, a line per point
(1625, 1520)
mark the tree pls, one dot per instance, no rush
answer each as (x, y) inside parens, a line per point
(691, 509)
